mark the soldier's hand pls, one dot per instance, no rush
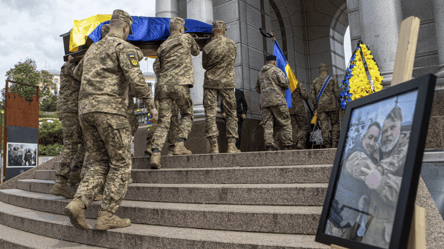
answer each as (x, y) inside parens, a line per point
(243, 116)
(224, 115)
(154, 115)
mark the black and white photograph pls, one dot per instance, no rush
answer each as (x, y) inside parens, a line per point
(21, 154)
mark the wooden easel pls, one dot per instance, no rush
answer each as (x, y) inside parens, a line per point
(405, 58)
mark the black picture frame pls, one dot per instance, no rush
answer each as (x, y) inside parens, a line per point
(425, 86)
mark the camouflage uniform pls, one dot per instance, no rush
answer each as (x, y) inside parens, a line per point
(299, 117)
(67, 110)
(383, 200)
(271, 85)
(218, 59)
(172, 132)
(327, 108)
(176, 77)
(103, 110)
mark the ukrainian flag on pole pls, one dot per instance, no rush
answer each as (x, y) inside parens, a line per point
(282, 64)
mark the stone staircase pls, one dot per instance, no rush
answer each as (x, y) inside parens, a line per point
(247, 200)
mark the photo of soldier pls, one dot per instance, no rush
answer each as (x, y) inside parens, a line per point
(367, 192)
(20, 154)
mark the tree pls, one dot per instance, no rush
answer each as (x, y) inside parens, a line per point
(26, 72)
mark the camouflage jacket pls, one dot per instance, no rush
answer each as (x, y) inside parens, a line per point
(298, 104)
(329, 99)
(109, 70)
(271, 85)
(176, 67)
(156, 67)
(68, 100)
(218, 59)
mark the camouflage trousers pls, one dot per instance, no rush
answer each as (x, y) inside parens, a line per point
(172, 132)
(210, 104)
(108, 141)
(279, 116)
(71, 153)
(300, 129)
(168, 95)
(134, 123)
(334, 119)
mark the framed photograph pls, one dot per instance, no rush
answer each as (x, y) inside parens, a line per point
(21, 155)
(371, 194)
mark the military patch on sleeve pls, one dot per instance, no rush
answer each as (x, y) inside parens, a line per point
(133, 60)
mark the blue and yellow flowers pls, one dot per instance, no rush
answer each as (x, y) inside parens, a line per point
(356, 84)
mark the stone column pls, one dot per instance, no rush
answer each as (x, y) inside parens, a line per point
(438, 9)
(167, 8)
(201, 10)
(380, 24)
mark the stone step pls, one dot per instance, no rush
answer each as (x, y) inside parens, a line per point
(269, 219)
(295, 194)
(235, 175)
(244, 159)
(146, 236)
(11, 238)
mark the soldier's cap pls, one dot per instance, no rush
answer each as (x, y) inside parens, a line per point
(123, 16)
(271, 57)
(105, 29)
(323, 66)
(178, 21)
(219, 25)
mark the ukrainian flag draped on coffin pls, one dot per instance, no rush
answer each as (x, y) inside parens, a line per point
(282, 64)
(143, 28)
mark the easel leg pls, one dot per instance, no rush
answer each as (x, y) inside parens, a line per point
(417, 238)
(337, 247)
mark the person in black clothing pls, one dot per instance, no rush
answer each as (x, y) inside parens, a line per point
(241, 108)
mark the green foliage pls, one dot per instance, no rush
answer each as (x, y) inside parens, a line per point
(42, 115)
(26, 72)
(50, 150)
(50, 133)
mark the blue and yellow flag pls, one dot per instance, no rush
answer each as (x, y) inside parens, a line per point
(283, 64)
(144, 29)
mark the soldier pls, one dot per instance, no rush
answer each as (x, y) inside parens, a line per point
(381, 171)
(28, 157)
(132, 119)
(108, 69)
(172, 132)
(218, 59)
(271, 85)
(299, 118)
(325, 94)
(67, 110)
(176, 77)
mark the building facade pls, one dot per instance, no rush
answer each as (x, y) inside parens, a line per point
(311, 32)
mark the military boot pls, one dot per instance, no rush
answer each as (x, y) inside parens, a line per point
(62, 190)
(75, 210)
(155, 160)
(170, 150)
(179, 149)
(148, 151)
(214, 147)
(269, 148)
(335, 144)
(74, 177)
(107, 220)
(232, 148)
